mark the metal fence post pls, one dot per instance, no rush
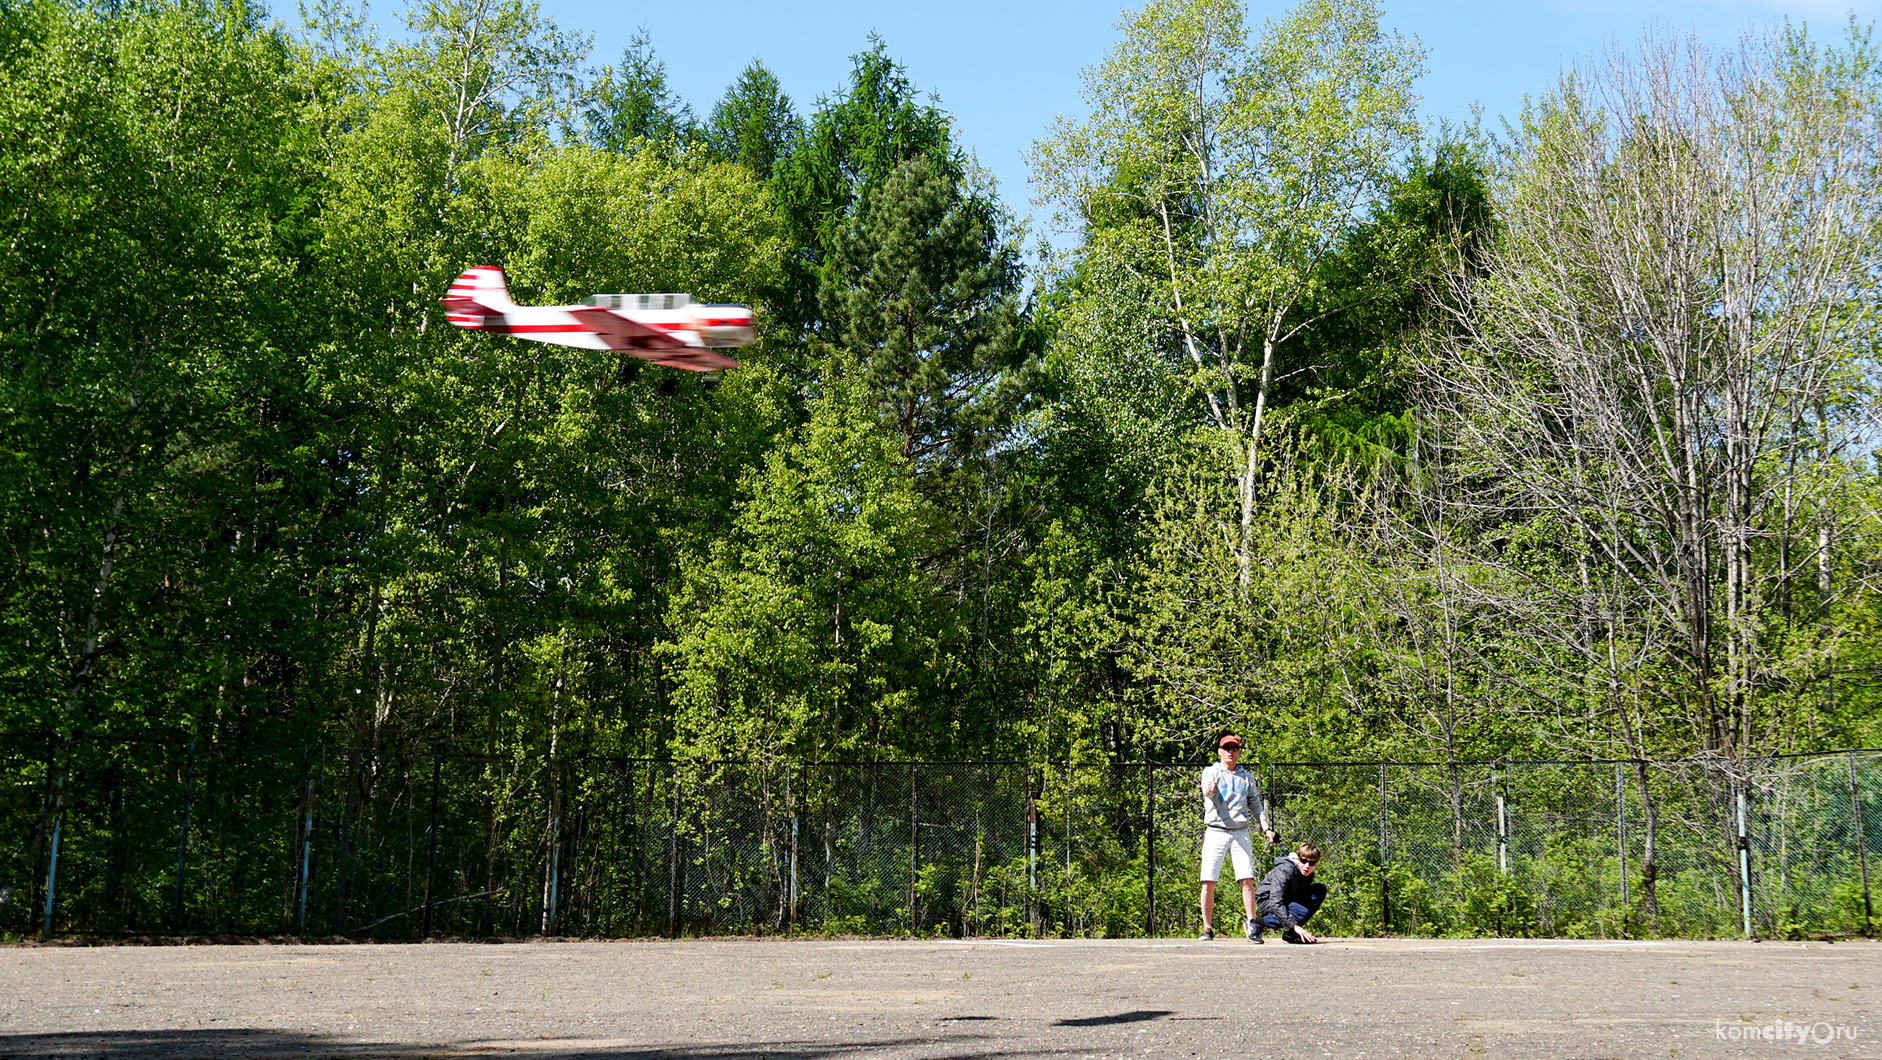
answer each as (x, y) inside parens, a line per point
(914, 849)
(183, 839)
(343, 861)
(58, 827)
(1150, 853)
(1032, 844)
(673, 863)
(1270, 809)
(1068, 837)
(1744, 855)
(431, 852)
(1385, 886)
(552, 868)
(307, 845)
(790, 899)
(1502, 824)
(1620, 832)
(1862, 846)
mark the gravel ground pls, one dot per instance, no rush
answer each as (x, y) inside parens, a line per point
(1364, 998)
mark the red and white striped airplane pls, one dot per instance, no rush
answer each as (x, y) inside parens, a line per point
(669, 329)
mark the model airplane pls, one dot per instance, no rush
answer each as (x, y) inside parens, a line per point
(669, 329)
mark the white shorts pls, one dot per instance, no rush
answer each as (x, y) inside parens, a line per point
(1216, 842)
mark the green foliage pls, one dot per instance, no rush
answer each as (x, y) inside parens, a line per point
(262, 499)
(850, 143)
(1345, 384)
(754, 124)
(1112, 412)
(486, 72)
(1223, 173)
(155, 191)
(921, 289)
(632, 104)
(1277, 659)
(811, 629)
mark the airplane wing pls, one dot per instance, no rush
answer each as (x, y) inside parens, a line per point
(638, 340)
(626, 335)
(691, 358)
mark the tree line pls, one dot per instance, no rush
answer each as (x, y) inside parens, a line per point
(1365, 439)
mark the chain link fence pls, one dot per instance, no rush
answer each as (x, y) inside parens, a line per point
(157, 838)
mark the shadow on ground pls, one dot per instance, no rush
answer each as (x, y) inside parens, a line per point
(1111, 1021)
(280, 1045)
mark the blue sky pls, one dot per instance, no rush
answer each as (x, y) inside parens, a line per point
(1004, 69)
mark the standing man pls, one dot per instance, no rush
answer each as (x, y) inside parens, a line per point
(1231, 801)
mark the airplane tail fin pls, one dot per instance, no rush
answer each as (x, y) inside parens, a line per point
(478, 292)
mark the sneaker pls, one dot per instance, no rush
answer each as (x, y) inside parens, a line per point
(1253, 931)
(1291, 936)
(1207, 934)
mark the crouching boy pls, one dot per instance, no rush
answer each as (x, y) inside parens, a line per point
(1288, 897)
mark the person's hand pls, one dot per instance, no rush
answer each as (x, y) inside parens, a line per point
(1210, 790)
(1305, 934)
(1269, 832)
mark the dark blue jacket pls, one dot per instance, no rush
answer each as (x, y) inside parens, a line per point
(1283, 884)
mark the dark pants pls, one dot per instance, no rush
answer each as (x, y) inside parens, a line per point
(1316, 893)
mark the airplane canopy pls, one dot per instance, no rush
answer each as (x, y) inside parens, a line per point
(640, 301)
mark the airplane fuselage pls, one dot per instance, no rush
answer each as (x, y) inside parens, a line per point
(669, 329)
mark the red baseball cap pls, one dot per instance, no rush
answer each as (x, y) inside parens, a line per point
(1231, 740)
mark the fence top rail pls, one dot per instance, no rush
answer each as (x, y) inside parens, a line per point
(1374, 763)
(213, 749)
(205, 747)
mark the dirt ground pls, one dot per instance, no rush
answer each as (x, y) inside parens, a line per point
(667, 1000)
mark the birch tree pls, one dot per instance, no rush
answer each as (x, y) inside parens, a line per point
(1221, 171)
(1670, 359)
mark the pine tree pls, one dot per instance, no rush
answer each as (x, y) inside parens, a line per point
(632, 102)
(754, 124)
(921, 288)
